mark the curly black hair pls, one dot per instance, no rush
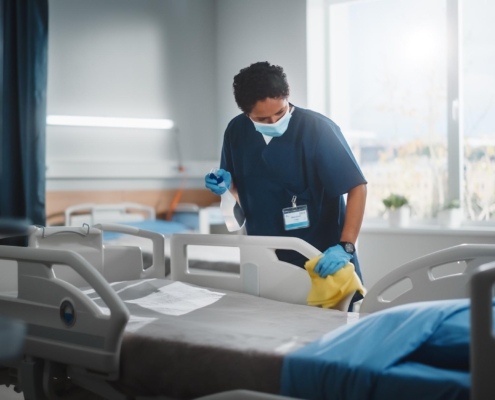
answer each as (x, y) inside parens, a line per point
(258, 82)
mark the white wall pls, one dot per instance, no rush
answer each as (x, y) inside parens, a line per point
(171, 59)
(249, 31)
(383, 249)
(128, 58)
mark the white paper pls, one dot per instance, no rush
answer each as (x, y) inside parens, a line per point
(135, 323)
(91, 291)
(177, 299)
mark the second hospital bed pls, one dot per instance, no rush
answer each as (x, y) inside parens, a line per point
(239, 340)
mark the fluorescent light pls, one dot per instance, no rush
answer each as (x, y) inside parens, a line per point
(140, 123)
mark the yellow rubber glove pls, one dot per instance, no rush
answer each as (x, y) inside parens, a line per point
(327, 292)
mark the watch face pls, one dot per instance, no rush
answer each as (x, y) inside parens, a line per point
(349, 248)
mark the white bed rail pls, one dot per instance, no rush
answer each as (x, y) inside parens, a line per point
(83, 240)
(261, 272)
(425, 286)
(64, 323)
(482, 339)
(157, 269)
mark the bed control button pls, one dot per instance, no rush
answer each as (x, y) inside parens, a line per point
(67, 314)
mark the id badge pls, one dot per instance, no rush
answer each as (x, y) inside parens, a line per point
(295, 217)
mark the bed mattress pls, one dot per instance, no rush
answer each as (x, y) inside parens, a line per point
(185, 342)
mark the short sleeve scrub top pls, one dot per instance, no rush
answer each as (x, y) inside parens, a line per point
(311, 161)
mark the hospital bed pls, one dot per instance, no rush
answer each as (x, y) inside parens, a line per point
(89, 335)
(238, 341)
(186, 217)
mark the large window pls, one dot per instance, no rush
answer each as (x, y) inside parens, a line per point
(478, 80)
(404, 81)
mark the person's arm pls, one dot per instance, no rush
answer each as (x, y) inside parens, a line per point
(356, 201)
(336, 257)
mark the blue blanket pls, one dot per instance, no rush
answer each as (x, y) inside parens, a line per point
(159, 226)
(415, 351)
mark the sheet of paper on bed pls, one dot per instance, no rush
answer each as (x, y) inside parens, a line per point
(177, 299)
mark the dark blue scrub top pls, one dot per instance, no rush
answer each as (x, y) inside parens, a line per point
(311, 160)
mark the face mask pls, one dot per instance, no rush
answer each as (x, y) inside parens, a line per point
(277, 129)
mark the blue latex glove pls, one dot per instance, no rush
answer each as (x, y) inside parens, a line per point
(211, 182)
(334, 258)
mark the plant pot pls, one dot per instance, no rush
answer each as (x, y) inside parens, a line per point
(451, 218)
(399, 217)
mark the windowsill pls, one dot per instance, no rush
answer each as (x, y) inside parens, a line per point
(426, 227)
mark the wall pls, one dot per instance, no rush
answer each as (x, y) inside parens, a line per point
(383, 249)
(171, 59)
(127, 58)
(259, 30)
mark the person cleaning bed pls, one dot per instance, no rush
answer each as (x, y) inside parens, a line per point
(291, 167)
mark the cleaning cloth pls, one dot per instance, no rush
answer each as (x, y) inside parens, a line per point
(327, 292)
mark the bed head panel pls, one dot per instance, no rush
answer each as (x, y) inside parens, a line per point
(115, 263)
(423, 284)
(262, 273)
(63, 323)
(83, 240)
(107, 213)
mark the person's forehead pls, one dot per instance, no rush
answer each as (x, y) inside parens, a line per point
(269, 106)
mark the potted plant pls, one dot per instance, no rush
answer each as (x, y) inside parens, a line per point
(450, 216)
(398, 210)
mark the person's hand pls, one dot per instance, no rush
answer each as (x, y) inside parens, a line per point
(211, 181)
(334, 258)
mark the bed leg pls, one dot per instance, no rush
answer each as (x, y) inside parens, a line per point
(96, 385)
(54, 380)
(31, 378)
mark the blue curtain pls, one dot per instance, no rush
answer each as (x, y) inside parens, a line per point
(24, 26)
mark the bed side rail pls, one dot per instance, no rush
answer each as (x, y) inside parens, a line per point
(261, 273)
(482, 339)
(157, 269)
(423, 284)
(63, 323)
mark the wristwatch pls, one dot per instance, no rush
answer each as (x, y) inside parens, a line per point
(348, 247)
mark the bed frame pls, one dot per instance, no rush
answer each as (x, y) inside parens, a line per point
(65, 327)
(418, 280)
(482, 335)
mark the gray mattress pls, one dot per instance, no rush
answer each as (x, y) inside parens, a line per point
(238, 342)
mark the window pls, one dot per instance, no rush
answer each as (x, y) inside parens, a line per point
(478, 78)
(394, 73)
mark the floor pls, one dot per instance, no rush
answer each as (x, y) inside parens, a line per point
(7, 393)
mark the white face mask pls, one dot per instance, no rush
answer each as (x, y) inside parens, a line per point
(276, 129)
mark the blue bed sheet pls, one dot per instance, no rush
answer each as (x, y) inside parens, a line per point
(415, 351)
(164, 227)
